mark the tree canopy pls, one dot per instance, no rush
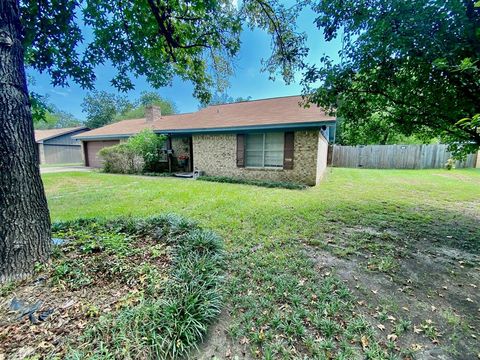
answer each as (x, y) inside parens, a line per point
(148, 98)
(102, 108)
(224, 98)
(55, 118)
(154, 39)
(408, 67)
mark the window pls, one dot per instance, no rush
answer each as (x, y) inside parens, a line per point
(264, 150)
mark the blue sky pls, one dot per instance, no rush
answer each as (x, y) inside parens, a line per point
(248, 80)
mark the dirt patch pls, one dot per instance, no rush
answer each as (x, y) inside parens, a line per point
(219, 345)
(429, 304)
(456, 176)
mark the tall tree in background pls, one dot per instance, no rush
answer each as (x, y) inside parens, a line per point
(102, 108)
(412, 66)
(223, 98)
(155, 39)
(55, 118)
(148, 98)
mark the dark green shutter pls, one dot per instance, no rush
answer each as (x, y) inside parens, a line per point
(240, 150)
(288, 151)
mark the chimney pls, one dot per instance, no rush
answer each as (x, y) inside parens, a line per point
(152, 112)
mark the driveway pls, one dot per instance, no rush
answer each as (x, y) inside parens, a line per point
(56, 169)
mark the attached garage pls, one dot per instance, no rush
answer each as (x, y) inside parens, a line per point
(92, 148)
(57, 146)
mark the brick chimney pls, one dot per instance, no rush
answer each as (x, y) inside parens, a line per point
(152, 112)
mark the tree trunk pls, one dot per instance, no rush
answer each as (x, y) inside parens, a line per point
(24, 218)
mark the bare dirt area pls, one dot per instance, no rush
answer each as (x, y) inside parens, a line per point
(218, 343)
(420, 295)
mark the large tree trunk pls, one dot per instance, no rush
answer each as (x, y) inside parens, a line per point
(24, 217)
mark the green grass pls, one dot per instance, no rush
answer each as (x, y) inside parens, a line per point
(278, 302)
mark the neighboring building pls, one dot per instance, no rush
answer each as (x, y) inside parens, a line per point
(56, 146)
(274, 139)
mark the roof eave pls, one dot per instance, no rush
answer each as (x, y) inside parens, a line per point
(61, 134)
(103, 137)
(220, 130)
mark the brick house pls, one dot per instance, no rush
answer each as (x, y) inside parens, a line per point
(272, 139)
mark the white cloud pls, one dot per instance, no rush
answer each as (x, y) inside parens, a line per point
(61, 93)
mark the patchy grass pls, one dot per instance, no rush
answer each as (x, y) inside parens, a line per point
(122, 288)
(330, 272)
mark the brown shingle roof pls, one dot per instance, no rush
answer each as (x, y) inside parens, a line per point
(41, 135)
(275, 111)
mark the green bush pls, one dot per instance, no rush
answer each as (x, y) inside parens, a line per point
(263, 183)
(141, 153)
(149, 146)
(121, 159)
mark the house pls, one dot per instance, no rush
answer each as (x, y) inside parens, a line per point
(272, 139)
(56, 146)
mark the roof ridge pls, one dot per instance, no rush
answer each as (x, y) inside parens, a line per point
(253, 100)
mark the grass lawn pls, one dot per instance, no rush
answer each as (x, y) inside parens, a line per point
(370, 264)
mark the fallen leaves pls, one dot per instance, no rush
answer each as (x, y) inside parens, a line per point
(391, 318)
(416, 347)
(392, 337)
(364, 341)
(381, 327)
(417, 330)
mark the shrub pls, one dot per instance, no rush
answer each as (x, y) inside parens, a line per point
(149, 146)
(141, 153)
(121, 159)
(450, 164)
(263, 183)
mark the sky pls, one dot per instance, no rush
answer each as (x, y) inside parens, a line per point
(247, 81)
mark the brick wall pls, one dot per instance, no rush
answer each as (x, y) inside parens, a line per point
(216, 156)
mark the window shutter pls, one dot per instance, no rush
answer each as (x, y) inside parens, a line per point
(240, 150)
(288, 151)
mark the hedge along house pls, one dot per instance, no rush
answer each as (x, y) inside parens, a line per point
(272, 139)
(56, 146)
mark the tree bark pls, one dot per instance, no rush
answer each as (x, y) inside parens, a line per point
(24, 218)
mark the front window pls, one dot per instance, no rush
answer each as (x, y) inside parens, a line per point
(264, 150)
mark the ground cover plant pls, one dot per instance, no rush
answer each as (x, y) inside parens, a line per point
(262, 183)
(119, 288)
(370, 264)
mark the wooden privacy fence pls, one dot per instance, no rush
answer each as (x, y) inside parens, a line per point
(395, 157)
